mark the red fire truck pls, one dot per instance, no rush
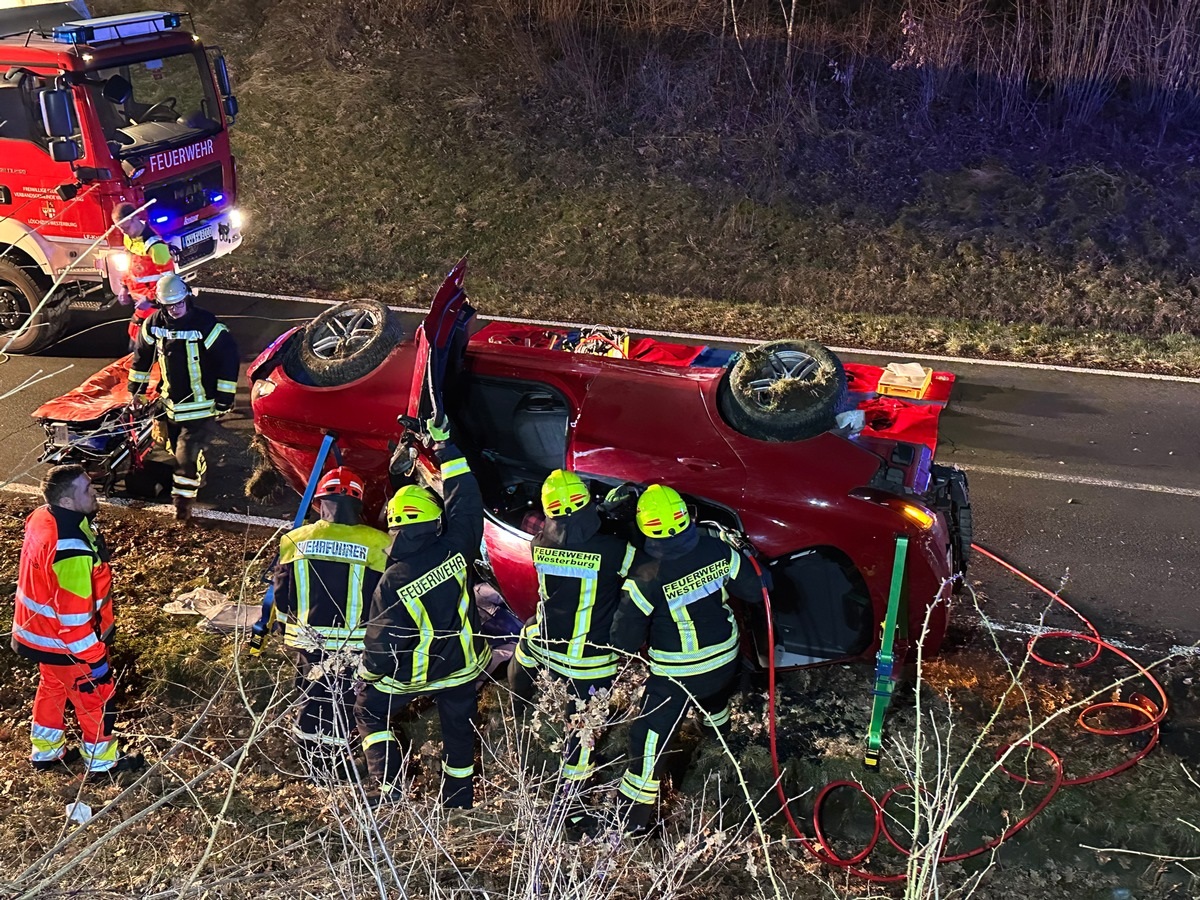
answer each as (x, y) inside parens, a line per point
(95, 112)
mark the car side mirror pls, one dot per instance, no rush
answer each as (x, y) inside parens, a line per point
(225, 86)
(64, 150)
(58, 117)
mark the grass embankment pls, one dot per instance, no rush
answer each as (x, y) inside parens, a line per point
(237, 819)
(659, 170)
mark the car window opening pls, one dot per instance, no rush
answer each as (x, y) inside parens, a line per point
(822, 609)
(525, 424)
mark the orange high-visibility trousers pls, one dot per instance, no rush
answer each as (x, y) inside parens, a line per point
(94, 709)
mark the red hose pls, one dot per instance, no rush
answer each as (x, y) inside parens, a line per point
(1153, 713)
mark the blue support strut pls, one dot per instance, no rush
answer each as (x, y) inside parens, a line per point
(258, 632)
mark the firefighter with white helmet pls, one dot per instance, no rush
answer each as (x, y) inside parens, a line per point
(327, 572)
(198, 364)
(422, 635)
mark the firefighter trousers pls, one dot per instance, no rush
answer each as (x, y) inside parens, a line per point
(94, 709)
(188, 441)
(579, 762)
(457, 710)
(664, 704)
(325, 719)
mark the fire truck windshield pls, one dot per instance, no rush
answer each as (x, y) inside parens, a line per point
(154, 101)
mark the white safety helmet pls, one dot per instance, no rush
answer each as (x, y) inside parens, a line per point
(172, 289)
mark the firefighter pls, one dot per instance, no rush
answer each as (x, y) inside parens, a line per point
(149, 260)
(326, 575)
(422, 634)
(64, 622)
(580, 571)
(676, 597)
(198, 362)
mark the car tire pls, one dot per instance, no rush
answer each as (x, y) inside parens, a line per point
(964, 524)
(783, 391)
(20, 293)
(343, 344)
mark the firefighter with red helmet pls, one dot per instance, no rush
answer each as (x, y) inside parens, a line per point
(198, 364)
(149, 260)
(326, 575)
(675, 601)
(580, 571)
(423, 630)
(64, 622)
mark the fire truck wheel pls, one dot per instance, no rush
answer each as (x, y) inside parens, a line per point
(20, 293)
(344, 343)
(783, 391)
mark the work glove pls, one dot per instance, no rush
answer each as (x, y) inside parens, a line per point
(620, 503)
(438, 428)
(100, 674)
(137, 401)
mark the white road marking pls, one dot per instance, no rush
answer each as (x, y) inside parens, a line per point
(1084, 480)
(749, 342)
(1030, 630)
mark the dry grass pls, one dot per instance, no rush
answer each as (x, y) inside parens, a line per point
(226, 812)
(609, 160)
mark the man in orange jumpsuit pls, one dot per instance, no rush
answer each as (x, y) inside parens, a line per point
(63, 621)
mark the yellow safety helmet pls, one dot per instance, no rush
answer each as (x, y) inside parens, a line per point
(411, 505)
(563, 493)
(661, 512)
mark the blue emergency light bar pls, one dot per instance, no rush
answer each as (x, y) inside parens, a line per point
(115, 28)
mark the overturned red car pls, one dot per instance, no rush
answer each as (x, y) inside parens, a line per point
(820, 465)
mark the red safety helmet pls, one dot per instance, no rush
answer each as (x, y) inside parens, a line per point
(340, 482)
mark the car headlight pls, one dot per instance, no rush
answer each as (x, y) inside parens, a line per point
(261, 388)
(119, 261)
(914, 513)
(236, 219)
(919, 515)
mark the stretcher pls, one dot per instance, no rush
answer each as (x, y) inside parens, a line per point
(97, 426)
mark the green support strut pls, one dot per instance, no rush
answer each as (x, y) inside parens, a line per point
(885, 682)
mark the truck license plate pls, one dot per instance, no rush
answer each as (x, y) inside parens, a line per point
(195, 237)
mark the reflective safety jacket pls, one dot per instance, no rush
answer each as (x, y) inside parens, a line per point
(326, 576)
(149, 260)
(680, 601)
(198, 360)
(63, 613)
(423, 630)
(580, 572)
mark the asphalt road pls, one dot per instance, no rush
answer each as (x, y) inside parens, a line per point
(1091, 478)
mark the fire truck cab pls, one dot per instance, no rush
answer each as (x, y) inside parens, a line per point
(95, 112)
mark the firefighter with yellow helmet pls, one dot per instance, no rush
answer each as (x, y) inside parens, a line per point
(674, 600)
(580, 570)
(422, 637)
